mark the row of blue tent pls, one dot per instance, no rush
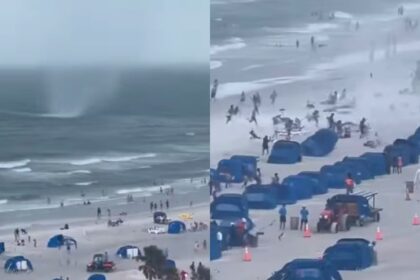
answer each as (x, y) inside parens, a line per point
(92, 277)
(347, 254)
(319, 144)
(235, 169)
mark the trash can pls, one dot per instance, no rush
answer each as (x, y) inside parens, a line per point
(294, 223)
(409, 186)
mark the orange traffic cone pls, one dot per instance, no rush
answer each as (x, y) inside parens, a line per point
(416, 220)
(307, 233)
(379, 235)
(247, 255)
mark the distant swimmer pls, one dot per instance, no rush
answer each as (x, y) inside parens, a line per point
(243, 97)
(371, 75)
(313, 42)
(357, 26)
(273, 97)
(214, 89)
(297, 44)
(400, 10)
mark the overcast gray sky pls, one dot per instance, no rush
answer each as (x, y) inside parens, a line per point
(133, 32)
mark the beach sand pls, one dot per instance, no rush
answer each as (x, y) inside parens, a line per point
(94, 236)
(389, 113)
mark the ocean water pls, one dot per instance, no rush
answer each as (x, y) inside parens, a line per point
(103, 133)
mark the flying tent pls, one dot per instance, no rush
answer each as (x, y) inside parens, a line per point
(321, 179)
(335, 175)
(286, 194)
(378, 162)
(393, 151)
(128, 252)
(320, 144)
(176, 227)
(159, 217)
(302, 185)
(411, 147)
(215, 245)
(18, 264)
(249, 164)
(261, 196)
(60, 240)
(97, 277)
(351, 168)
(230, 171)
(285, 152)
(350, 254)
(302, 269)
(363, 166)
(229, 206)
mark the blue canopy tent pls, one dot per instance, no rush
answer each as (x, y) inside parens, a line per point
(229, 206)
(378, 162)
(303, 186)
(97, 277)
(215, 245)
(350, 254)
(307, 269)
(320, 144)
(286, 194)
(394, 151)
(414, 140)
(128, 252)
(336, 176)
(285, 152)
(230, 171)
(261, 196)
(2, 249)
(60, 240)
(411, 147)
(249, 164)
(176, 227)
(351, 168)
(169, 264)
(364, 167)
(321, 179)
(417, 131)
(17, 264)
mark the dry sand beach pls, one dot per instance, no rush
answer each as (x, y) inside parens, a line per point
(391, 114)
(94, 236)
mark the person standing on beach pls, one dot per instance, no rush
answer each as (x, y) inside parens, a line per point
(276, 179)
(167, 204)
(155, 206)
(161, 205)
(331, 122)
(399, 164)
(265, 148)
(283, 213)
(243, 97)
(273, 97)
(258, 176)
(151, 206)
(214, 89)
(304, 214)
(349, 184)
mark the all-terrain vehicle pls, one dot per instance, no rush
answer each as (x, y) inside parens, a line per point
(330, 221)
(100, 264)
(356, 206)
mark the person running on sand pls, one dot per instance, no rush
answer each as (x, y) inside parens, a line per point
(265, 148)
(273, 97)
(253, 117)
